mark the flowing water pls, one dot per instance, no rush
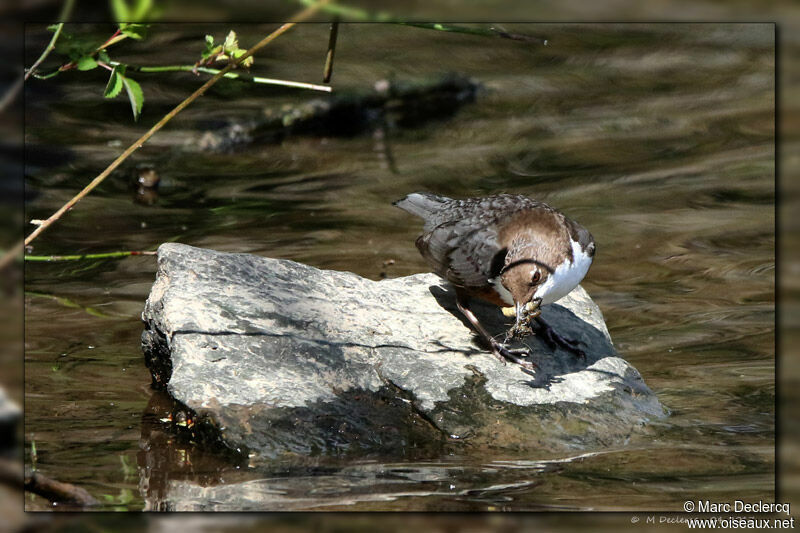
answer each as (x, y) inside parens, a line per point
(658, 138)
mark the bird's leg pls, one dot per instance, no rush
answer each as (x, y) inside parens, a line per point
(500, 351)
(555, 340)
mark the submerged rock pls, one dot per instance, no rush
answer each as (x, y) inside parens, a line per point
(272, 357)
(390, 103)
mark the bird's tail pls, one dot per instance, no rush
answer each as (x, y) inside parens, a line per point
(421, 204)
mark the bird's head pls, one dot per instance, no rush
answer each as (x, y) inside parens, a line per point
(537, 272)
(524, 277)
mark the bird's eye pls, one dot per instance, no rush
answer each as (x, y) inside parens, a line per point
(536, 277)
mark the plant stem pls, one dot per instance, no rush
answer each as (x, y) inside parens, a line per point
(49, 48)
(327, 71)
(230, 75)
(52, 44)
(117, 37)
(362, 15)
(62, 17)
(20, 247)
(485, 32)
(107, 255)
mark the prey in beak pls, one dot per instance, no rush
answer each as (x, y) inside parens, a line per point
(524, 313)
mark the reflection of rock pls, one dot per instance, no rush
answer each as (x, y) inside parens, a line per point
(372, 484)
(146, 196)
(147, 177)
(279, 357)
(164, 459)
(347, 113)
(147, 180)
(10, 415)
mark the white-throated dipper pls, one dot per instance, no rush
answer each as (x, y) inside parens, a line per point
(505, 249)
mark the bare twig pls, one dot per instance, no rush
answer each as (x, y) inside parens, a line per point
(328, 70)
(57, 491)
(17, 249)
(11, 474)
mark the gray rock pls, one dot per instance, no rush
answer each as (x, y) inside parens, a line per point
(274, 357)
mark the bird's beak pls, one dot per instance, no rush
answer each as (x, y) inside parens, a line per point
(520, 308)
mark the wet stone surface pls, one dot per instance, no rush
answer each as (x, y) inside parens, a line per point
(283, 358)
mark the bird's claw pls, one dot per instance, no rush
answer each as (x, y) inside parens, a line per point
(504, 353)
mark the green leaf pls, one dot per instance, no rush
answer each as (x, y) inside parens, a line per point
(86, 63)
(231, 42)
(115, 82)
(52, 27)
(247, 62)
(211, 52)
(135, 95)
(134, 31)
(102, 55)
(119, 8)
(76, 46)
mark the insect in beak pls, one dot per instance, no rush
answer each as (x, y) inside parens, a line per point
(527, 312)
(524, 314)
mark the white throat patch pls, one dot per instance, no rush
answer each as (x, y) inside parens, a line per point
(566, 276)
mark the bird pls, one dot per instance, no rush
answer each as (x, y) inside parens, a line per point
(506, 249)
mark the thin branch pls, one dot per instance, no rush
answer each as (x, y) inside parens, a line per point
(19, 248)
(327, 72)
(62, 17)
(231, 75)
(49, 48)
(362, 15)
(58, 491)
(13, 475)
(484, 32)
(107, 255)
(115, 38)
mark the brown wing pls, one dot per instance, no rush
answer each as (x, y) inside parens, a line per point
(461, 252)
(460, 238)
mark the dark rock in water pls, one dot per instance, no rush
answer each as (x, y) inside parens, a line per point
(274, 357)
(348, 113)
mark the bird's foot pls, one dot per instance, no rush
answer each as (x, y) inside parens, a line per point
(504, 353)
(554, 340)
